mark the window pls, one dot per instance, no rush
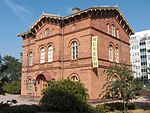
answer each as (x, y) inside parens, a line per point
(42, 55)
(30, 59)
(29, 85)
(108, 31)
(117, 33)
(74, 27)
(110, 53)
(74, 50)
(117, 55)
(53, 31)
(46, 32)
(113, 30)
(74, 78)
(50, 54)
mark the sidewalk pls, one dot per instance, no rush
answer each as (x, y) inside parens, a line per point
(19, 98)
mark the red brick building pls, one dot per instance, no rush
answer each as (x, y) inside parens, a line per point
(56, 48)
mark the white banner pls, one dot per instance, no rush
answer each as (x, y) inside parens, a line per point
(94, 51)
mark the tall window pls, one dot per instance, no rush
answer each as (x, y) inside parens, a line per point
(50, 54)
(53, 31)
(117, 33)
(108, 29)
(29, 85)
(110, 53)
(113, 30)
(42, 55)
(30, 59)
(116, 55)
(74, 50)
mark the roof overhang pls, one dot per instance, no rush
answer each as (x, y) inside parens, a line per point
(58, 19)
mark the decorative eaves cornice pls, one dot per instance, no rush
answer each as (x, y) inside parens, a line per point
(34, 27)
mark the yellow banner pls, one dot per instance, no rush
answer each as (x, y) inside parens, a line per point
(94, 51)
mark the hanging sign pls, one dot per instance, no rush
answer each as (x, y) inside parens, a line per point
(94, 52)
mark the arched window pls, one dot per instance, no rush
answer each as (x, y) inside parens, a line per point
(108, 28)
(117, 33)
(29, 85)
(116, 55)
(74, 77)
(110, 53)
(74, 50)
(50, 54)
(47, 31)
(113, 30)
(42, 55)
(53, 31)
(30, 58)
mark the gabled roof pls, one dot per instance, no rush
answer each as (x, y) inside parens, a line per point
(95, 8)
(43, 16)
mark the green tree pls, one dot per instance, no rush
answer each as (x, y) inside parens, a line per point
(125, 87)
(13, 87)
(2, 80)
(66, 96)
(13, 70)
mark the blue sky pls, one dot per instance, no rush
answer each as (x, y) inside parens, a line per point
(17, 15)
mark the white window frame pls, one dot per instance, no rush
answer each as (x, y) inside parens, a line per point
(74, 50)
(113, 30)
(117, 55)
(108, 28)
(50, 53)
(31, 58)
(42, 55)
(117, 33)
(74, 78)
(47, 32)
(110, 53)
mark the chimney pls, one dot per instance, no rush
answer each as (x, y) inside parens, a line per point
(75, 10)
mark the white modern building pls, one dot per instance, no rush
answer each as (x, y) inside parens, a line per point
(140, 57)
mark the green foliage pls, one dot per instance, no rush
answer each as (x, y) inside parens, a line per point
(6, 108)
(107, 107)
(12, 68)
(2, 82)
(1, 88)
(13, 87)
(66, 96)
(125, 87)
(102, 108)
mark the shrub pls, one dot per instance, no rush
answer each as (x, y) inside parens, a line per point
(13, 87)
(6, 108)
(102, 108)
(107, 107)
(66, 96)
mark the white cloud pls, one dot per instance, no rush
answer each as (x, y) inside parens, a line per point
(19, 10)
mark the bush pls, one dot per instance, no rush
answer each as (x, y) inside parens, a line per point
(13, 87)
(6, 108)
(66, 96)
(114, 106)
(102, 108)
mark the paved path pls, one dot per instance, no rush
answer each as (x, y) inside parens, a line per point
(20, 99)
(30, 101)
